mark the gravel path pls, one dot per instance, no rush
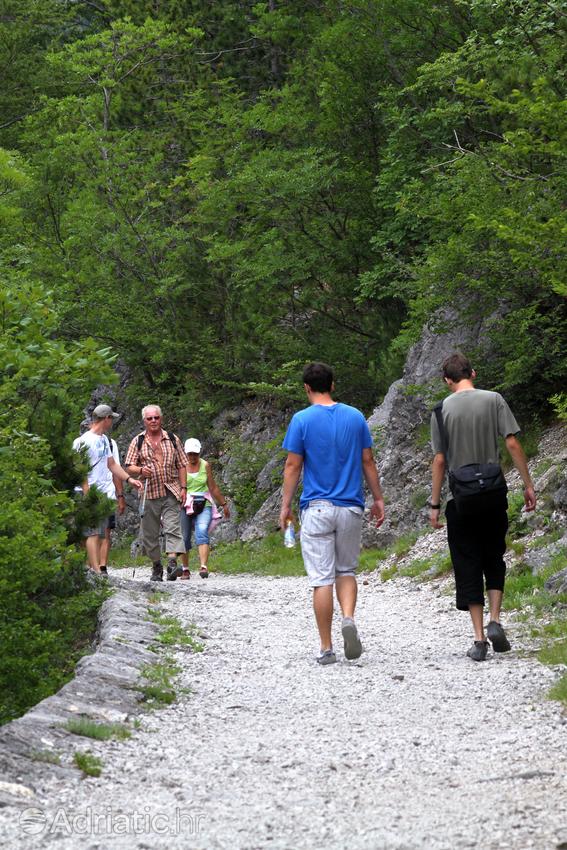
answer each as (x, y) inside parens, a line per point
(413, 746)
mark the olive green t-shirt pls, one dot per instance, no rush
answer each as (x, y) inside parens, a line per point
(473, 419)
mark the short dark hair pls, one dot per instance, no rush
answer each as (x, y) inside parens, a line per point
(457, 367)
(319, 377)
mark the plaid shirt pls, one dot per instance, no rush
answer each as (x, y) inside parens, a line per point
(165, 468)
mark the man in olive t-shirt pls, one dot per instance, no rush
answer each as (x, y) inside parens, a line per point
(474, 420)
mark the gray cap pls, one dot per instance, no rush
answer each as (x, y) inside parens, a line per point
(101, 411)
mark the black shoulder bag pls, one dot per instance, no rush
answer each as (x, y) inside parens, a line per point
(476, 487)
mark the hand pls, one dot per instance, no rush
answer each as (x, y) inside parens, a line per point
(529, 498)
(145, 472)
(121, 506)
(434, 518)
(285, 516)
(226, 511)
(137, 484)
(377, 511)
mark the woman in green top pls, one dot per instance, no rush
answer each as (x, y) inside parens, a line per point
(200, 483)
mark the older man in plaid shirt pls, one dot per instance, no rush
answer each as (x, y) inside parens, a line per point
(157, 457)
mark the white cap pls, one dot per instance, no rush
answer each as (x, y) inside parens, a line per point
(193, 445)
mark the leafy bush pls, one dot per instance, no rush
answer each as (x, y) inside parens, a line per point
(48, 607)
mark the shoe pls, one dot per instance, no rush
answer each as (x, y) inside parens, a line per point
(353, 646)
(203, 572)
(173, 570)
(327, 656)
(185, 575)
(497, 637)
(478, 650)
(157, 572)
(103, 571)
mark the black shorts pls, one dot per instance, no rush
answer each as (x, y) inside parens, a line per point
(477, 545)
(111, 522)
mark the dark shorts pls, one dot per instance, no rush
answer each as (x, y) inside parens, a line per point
(99, 531)
(112, 522)
(477, 545)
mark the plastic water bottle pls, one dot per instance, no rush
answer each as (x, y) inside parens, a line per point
(289, 535)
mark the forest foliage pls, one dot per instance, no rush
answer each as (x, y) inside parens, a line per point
(219, 192)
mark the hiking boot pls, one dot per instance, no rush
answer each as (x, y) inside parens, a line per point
(186, 575)
(353, 646)
(478, 650)
(103, 571)
(157, 572)
(173, 570)
(327, 656)
(497, 637)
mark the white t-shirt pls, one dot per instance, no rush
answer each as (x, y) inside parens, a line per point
(109, 487)
(98, 446)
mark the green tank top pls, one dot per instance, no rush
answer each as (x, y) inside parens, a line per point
(197, 481)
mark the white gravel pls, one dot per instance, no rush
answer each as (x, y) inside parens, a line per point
(413, 746)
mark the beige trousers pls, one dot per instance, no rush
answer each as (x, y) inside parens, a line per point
(166, 509)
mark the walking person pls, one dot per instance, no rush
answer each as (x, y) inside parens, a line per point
(332, 444)
(102, 466)
(472, 420)
(113, 488)
(158, 459)
(199, 513)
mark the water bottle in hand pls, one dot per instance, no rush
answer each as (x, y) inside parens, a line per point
(289, 535)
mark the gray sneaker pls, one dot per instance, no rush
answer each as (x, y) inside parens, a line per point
(353, 646)
(327, 656)
(497, 637)
(478, 650)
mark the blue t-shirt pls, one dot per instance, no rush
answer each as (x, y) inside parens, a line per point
(330, 440)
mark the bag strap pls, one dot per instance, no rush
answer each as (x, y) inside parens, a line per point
(438, 411)
(172, 437)
(96, 463)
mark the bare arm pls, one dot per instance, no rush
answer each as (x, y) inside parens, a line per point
(372, 479)
(292, 472)
(437, 476)
(121, 474)
(119, 494)
(215, 492)
(518, 456)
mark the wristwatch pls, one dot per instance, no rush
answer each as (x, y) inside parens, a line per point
(434, 507)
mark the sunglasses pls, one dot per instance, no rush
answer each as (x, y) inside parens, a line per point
(149, 418)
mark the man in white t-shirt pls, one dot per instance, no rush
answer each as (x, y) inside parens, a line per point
(102, 463)
(114, 490)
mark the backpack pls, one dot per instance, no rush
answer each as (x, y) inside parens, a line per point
(174, 439)
(475, 487)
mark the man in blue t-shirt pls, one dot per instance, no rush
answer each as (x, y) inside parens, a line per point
(331, 442)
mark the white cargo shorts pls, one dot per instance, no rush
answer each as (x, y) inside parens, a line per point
(330, 541)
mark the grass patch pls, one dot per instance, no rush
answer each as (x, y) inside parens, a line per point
(157, 690)
(547, 539)
(121, 557)
(99, 731)
(559, 690)
(526, 593)
(173, 633)
(90, 764)
(268, 557)
(433, 567)
(370, 559)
